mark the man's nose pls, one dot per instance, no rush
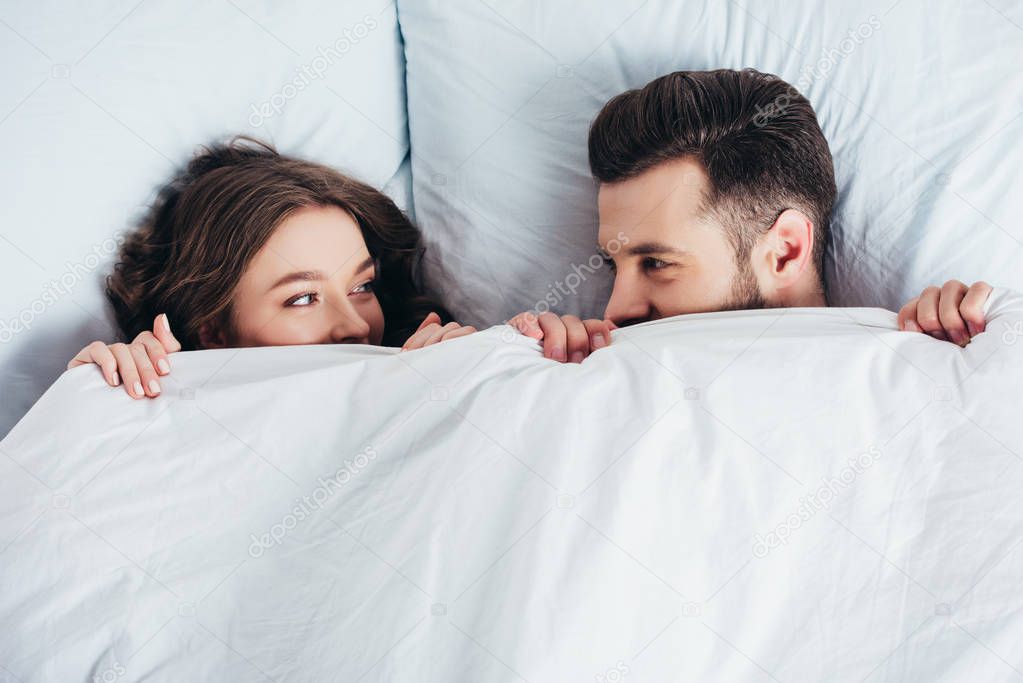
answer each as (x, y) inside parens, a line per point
(347, 326)
(627, 305)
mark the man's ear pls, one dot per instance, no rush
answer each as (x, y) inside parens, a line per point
(785, 253)
(211, 336)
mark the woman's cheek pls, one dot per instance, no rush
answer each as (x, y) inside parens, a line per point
(375, 317)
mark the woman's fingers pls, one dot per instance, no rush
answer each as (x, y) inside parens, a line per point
(155, 350)
(435, 333)
(126, 367)
(460, 332)
(438, 333)
(430, 319)
(419, 337)
(146, 371)
(99, 353)
(163, 334)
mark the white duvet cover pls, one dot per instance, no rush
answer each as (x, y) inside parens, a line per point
(788, 495)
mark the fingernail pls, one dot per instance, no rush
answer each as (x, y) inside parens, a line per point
(577, 357)
(115, 379)
(154, 386)
(598, 341)
(166, 322)
(137, 388)
(558, 354)
(912, 326)
(163, 365)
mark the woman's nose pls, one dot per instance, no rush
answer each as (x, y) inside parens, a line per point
(348, 327)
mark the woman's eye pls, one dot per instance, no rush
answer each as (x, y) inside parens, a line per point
(302, 300)
(363, 288)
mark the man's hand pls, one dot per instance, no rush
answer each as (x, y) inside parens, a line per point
(565, 337)
(953, 313)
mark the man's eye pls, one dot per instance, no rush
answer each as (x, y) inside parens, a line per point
(363, 288)
(306, 299)
(651, 263)
(609, 262)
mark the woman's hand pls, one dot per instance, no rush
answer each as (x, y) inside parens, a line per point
(138, 363)
(431, 331)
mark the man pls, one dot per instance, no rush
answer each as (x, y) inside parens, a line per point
(716, 190)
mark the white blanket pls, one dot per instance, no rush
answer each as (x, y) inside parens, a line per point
(790, 495)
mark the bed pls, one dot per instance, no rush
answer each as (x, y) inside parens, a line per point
(792, 495)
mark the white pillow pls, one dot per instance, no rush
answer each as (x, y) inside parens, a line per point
(101, 104)
(920, 101)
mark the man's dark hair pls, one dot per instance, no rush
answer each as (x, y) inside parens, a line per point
(757, 138)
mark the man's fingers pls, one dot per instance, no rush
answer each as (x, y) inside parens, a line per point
(554, 337)
(952, 294)
(972, 307)
(599, 332)
(907, 316)
(163, 334)
(528, 324)
(927, 313)
(577, 340)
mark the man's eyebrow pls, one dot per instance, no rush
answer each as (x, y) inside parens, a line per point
(653, 248)
(313, 275)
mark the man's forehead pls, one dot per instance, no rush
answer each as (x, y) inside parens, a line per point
(653, 205)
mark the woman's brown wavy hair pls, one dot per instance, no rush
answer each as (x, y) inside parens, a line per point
(189, 252)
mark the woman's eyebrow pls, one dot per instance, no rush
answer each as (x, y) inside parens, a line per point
(299, 276)
(313, 275)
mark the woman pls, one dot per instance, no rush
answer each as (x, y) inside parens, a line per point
(248, 247)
